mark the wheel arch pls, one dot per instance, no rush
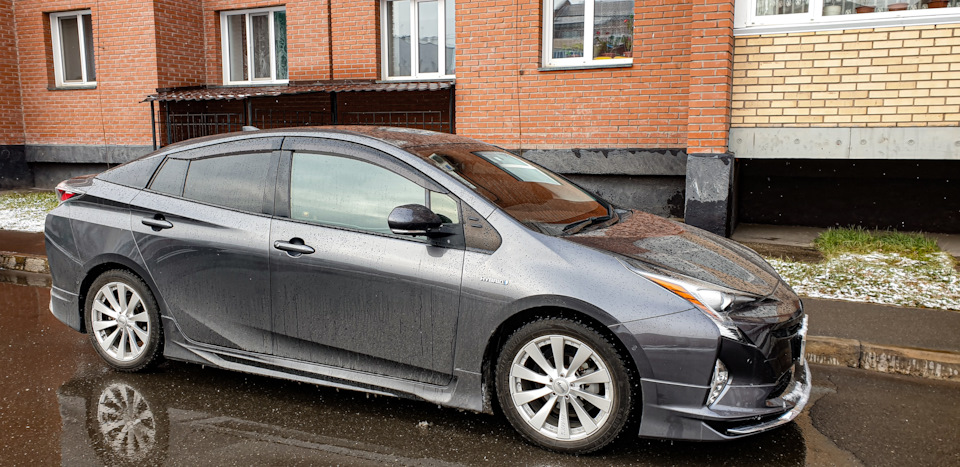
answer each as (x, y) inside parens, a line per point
(97, 266)
(534, 308)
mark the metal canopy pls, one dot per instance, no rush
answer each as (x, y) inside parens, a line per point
(244, 92)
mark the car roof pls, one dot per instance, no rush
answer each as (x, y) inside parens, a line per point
(403, 138)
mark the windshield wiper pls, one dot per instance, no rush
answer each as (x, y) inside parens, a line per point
(599, 221)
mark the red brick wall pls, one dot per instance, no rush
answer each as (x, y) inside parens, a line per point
(11, 115)
(356, 39)
(711, 76)
(126, 67)
(180, 41)
(308, 37)
(503, 98)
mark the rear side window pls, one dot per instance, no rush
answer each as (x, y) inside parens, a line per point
(234, 181)
(344, 192)
(169, 179)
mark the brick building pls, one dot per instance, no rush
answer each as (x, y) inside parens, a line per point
(798, 112)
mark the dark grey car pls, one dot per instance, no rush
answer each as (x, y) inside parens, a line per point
(411, 263)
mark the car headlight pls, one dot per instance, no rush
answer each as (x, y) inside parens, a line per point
(713, 300)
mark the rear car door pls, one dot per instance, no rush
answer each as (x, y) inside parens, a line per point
(202, 226)
(364, 299)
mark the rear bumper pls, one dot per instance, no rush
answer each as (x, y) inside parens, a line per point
(65, 307)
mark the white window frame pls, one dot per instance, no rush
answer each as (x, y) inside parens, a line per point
(225, 46)
(588, 22)
(58, 53)
(414, 42)
(747, 22)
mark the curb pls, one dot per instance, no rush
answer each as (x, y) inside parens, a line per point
(933, 364)
(820, 350)
(23, 262)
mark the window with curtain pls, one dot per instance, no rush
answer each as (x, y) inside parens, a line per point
(254, 45)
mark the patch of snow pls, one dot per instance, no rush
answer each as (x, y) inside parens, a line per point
(885, 278)
(24, 214)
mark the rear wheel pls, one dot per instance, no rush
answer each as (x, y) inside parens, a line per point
(564, 386)
(123, 322)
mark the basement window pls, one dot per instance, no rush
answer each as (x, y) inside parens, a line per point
(587, 32)
(254, 46)
(73, 51)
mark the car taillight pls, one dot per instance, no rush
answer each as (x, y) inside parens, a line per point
(63, 193)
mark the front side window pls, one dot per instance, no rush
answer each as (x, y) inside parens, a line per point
(254, 45)
(73, 51)
(804, 15)
(419, 38)
(348, 193)
(588, 32)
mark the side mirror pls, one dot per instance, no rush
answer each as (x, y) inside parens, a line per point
(414, 219)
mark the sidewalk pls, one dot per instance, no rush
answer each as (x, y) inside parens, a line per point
(889, 339)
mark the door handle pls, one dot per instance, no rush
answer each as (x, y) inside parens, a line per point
(295, 245)
(157, 222)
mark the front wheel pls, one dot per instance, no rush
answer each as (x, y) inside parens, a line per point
(122, 319)
(564, 386)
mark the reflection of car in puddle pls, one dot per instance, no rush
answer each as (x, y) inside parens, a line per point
(180, 415)
(124, 426)
(153, 419)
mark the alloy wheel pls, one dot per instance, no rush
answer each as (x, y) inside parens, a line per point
(120, 322)
(561, 387)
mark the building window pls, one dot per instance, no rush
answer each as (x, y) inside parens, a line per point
(254, 45)
(811, 15)
(73, 58)
(433, 23)
(587, 32)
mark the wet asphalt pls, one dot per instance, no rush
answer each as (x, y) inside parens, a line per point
(60, 405)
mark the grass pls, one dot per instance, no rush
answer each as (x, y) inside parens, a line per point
(887, 267)
(44, 200)
(857, 240)
(25, 210)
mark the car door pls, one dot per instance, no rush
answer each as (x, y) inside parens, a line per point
(349, 293)
(202, 227)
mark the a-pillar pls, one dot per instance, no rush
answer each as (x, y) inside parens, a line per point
(710, 166)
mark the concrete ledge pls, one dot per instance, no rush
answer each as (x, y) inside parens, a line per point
(884, 359)
(27, 279)
(21, 262)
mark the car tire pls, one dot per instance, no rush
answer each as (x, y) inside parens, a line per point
(121, 316)
(571, 410)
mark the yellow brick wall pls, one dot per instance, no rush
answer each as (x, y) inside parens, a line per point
(883, 77)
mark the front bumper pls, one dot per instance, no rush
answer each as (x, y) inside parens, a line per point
(677, 411)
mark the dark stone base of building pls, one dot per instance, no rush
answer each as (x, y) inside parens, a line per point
(710, 192)
(883, 194)
(14, 170)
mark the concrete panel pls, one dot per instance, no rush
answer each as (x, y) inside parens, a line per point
(49, 175)
(662, 196)
(897, 143)
(85, 154)
(611, 161)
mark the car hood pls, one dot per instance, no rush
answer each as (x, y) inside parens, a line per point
(667, 247)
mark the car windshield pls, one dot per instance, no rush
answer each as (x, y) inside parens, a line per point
(529, 193)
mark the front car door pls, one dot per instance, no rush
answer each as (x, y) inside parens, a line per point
(202, 227)
(364, 299)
